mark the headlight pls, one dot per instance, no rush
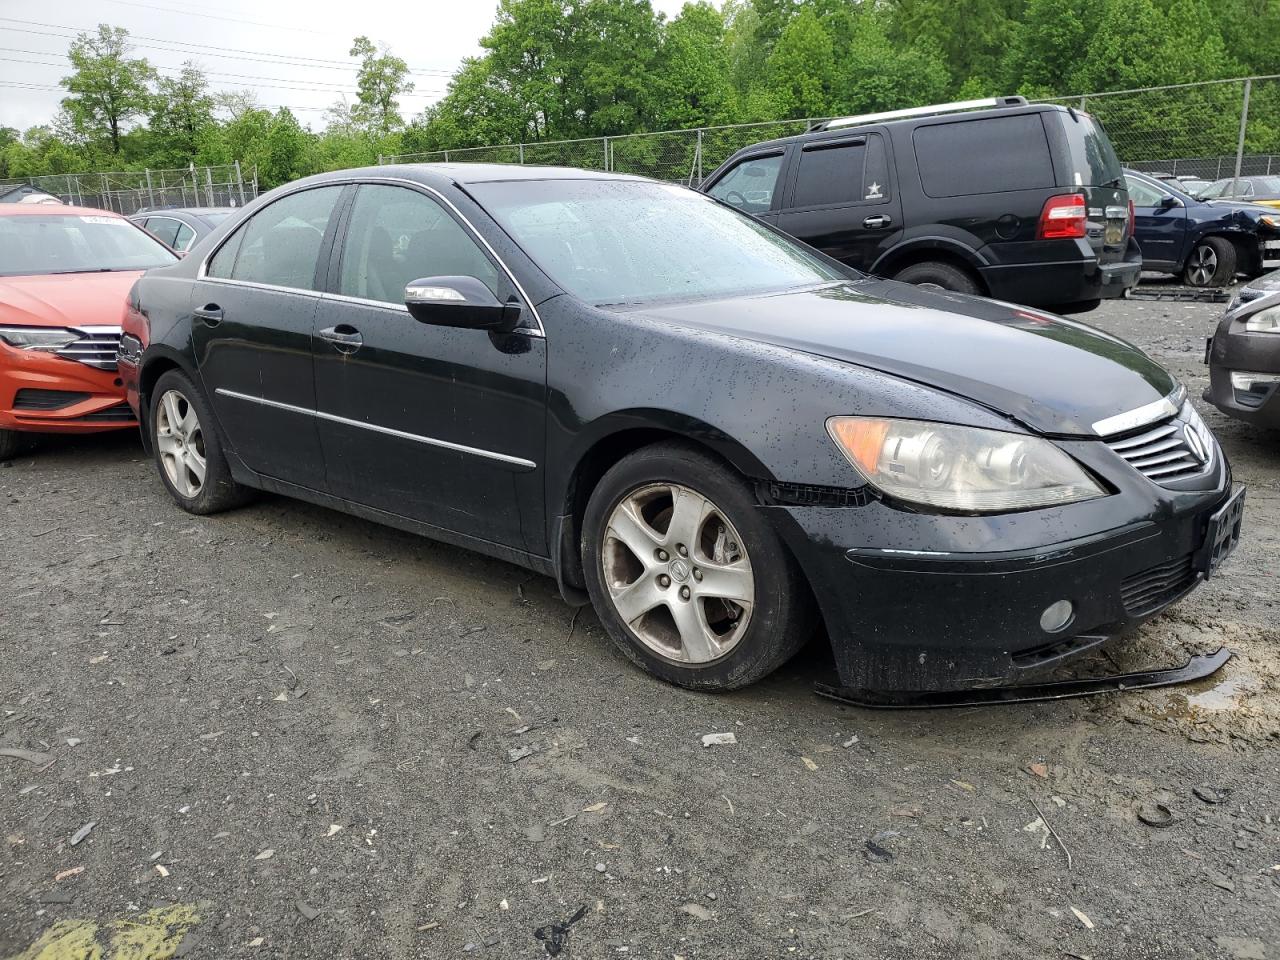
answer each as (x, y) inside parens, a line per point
(37, 338)
(960, 468)
(1264, 321)
(1272, 222)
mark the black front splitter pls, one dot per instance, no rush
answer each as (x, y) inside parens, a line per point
(1197, 668)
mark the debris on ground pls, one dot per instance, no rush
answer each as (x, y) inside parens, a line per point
(1210, 795)
(718, 739)
(697, 910)
(308, 912)
(1155, 815)
(876, 853)
(30, 756)
(516, 754)
(1083, 918)
(83, 832)
(555, 936)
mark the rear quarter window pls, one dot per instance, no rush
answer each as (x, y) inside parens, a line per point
(989, 155)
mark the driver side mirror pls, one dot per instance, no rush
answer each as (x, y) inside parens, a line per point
(1168, 203)
(459, 302)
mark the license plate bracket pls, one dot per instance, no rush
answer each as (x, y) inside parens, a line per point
(1222, 534)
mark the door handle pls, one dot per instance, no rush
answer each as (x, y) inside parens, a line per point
(346, 338)
(879, 220)
(210, 313)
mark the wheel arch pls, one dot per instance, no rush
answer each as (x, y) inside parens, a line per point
(927, 249)
(158, 361)
(609, 441)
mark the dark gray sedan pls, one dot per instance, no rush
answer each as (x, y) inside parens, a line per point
(181, 228)
(1244, 355)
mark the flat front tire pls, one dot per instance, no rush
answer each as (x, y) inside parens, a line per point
(188, 451)
(688, 578)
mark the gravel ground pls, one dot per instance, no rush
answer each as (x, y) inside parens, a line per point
(293, 733)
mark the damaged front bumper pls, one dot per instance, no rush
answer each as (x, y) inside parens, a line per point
(925, 618)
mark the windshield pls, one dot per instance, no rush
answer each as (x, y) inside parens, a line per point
(75, 243)
(1093, 160)
(623, 241)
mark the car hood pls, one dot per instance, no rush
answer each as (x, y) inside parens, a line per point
(1053, 375)
(65, 300)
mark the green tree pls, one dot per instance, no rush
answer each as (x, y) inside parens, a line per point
(180, 116)
(382, 80)
(801, 70)
(107, 89)
(692, 86)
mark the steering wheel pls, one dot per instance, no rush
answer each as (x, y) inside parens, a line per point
(734, 197)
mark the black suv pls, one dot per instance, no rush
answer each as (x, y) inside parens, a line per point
(1017, 201)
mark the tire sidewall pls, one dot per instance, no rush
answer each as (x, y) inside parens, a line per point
(773, 613)
(944, 275)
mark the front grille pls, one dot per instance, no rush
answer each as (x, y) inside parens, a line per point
(1148, 591)
(97, 347)
(120, 413)
(31, 399)
(1173, 449)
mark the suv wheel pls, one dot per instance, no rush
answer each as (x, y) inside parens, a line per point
(935, 275)
(686, 576)
(188, 450)
(10, 444)
(1212, 263)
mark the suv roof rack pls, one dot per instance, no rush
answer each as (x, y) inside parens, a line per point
(984, 104)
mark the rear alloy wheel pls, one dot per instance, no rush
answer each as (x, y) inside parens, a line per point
(187, 449)
(10, 444)
(686, 575)
(1212, 263)
(935, 275)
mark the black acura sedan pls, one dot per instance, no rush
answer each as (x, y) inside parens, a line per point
(720, 437)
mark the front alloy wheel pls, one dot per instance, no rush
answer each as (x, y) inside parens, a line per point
(677, 573)
(180, 444)
(687, 575)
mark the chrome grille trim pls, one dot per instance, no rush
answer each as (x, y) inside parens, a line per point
(97, 347)
(1164, 453)
(1149, 413)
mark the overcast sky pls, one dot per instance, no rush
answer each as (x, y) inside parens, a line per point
(291, 52)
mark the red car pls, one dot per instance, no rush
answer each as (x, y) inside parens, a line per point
(65, 274)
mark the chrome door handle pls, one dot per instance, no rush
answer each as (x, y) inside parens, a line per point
(346, 339)
(210, 313)
(874, 223)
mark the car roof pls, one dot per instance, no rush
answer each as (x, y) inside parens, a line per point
(53, 210)
(446, 174)
(194, 211)
(837, 133)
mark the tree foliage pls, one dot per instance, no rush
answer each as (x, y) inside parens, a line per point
(562, 69)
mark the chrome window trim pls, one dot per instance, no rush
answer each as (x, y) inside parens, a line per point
(389, 431)
(1160, 409)
(202, 270)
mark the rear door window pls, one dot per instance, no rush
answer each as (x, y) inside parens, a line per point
(163, 229)
(182, 239)
(281, 244)
(842, 172)
(751, 185)
(989, 155)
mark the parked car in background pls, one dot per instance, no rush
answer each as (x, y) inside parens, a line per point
(180, 228)
(64, 273)
(1264, 190)
(1002, 198)
(1244, 356)
(1187, 184)
(528, 362)
(1205, 242)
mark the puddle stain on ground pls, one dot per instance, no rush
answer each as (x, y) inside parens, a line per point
(154, 935)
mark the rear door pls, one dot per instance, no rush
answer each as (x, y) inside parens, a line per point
(1160, 230)
(842, 198)
(254, 305)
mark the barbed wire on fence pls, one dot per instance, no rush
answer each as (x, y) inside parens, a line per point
(130, 191)
(1212, 129)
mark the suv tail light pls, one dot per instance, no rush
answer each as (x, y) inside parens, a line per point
(1063, 218)
(1132, 218)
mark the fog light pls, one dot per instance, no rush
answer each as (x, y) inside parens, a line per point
(1056, 616)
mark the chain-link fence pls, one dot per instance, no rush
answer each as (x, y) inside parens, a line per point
(130, 191)
(1195, 129)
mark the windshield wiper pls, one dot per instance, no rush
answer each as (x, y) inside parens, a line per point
(54, 273)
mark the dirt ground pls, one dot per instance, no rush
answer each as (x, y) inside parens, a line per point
(292, 734)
